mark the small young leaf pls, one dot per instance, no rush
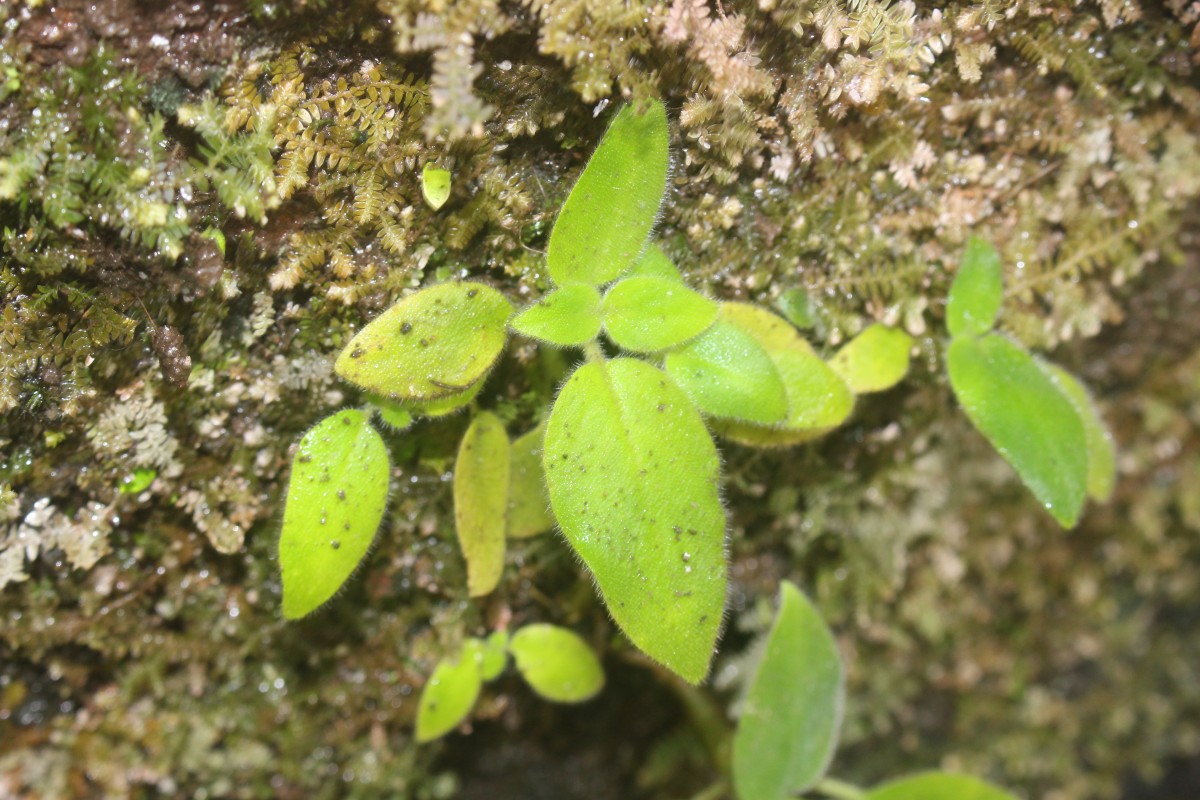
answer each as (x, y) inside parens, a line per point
(568, 316)
(336, 496)
(481, 501)
(394, 414)
(432, 344)
(728, 374)
(138, 481)
(875, 360)
(443, 406)
(654, 263)
(1102, 456)
(937, 786)
(818, 399)
(604, 223)
(557, 663)
(632, 475)
(528, 505)
(1022, 412)
(793, 711)
(450, 693)
(977, 291)
(647, 313)
(494, 656)
(435, 186)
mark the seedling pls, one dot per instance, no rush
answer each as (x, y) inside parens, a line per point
(624, 463)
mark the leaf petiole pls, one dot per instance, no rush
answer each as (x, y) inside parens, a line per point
(839, 790)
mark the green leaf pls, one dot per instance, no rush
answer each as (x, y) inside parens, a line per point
(728, 374)
(654, 263)
(450, 693)
(557, 663)
(977, 291)
(937, 786)
(436, 343)
(633, 475)
(443, 406)
(875, 360)
(567, 316)
(1020, 410)
(494, 656)
(336, 496)
(793, 710)
(394, 414)
(818, 399)
(528, 505)
(138, 481)
(648, 313)
(435, 186)
(481, 501)
(1102, 456)
(604, 223)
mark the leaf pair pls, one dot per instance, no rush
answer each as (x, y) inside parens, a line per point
(554, 661)
(1036, 415)
(792, 714)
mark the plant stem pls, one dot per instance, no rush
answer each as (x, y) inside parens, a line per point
(831, 787)
(593, 352)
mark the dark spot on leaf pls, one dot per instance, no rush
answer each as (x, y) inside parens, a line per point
(472, 292)
(405, 328)
(335, 544)
(341, 494)
(304, 459)
(356, 353)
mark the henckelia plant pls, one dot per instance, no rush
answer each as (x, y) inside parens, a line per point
(624, 463)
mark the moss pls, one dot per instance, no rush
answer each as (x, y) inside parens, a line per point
(836, 152)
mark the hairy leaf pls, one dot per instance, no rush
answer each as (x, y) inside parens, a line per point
(393, 413)
(481, 501)
(648, 313)
(450, 693)
(567, 316)
(728, 374)
(1102, 456)
(632, 475)
(654, 262)
(432, 344)
(818, 399)
(557, 663)
(336, 497)
(793, 710)
(1022, 412)
(443, 406)
(938, 786)
(604, 223)
(977, 291)
(875, 360)
(528, 505)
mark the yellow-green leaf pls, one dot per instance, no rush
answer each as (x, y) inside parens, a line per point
(818, 399)
(1022, 412)
(567, 316)
(494, 656)
(336, 497)
(444, 406)
(938, 786)
(1102, 456)
(875, 360)
(793, 711)
(648, 313)
(632, 475)
(481, 501)
(436, 343)
(728, 374)
(450, 693)
(528, 504)
(603, 226)
(435, 186)
(977, 291)
(557, 663)
(393, 413)
(654, 262)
